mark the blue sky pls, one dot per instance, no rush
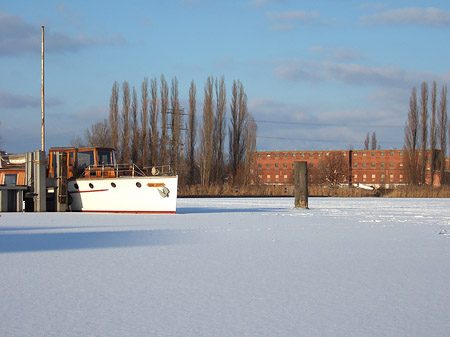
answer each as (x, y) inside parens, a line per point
(327, 72)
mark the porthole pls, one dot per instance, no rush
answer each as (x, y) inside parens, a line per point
(138, 184)
(113, 185)
(76, 186)
(90, 185)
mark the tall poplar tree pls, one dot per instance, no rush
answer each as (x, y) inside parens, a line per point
(411, 138)
(164, 140)
(154, 114)
(206, 145)
(442, 131)
(191, 134)
(145, 139)
(424, 130)
(125, 144)
(114, 120)
(219, 130)
(239, 114)
(134, 129)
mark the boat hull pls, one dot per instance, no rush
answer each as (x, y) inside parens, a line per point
(124, 195)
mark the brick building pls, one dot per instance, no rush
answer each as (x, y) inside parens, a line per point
(371, 167)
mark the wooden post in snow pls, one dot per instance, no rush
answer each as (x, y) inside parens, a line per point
(301, 184)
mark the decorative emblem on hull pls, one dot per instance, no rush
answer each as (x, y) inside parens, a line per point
(164, 192)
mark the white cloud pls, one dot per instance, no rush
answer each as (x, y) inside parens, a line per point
(12, 101)
(18, 37)
(412, 15)
(285, 21)
(336, 53)
(351, 73)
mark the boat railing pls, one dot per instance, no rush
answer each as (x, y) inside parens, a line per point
(125, 170)
(163, 170)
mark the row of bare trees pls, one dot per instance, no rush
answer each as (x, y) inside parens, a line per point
(425, 135)
(153, 131)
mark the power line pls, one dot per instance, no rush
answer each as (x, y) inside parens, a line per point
(318, 140)
(331, 124)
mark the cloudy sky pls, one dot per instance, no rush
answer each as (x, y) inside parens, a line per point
(318, 74)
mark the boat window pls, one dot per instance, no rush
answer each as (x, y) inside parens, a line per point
(104, 157)
(10, 179)
(85, 158)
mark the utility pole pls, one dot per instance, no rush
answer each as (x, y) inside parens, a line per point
(42, 95)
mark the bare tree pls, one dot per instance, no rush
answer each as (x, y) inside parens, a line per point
(336, 168)
(206, 141)
(219, 130)
(135, 129)
(114, 116)
(411, 138)
(145, 139)
(442, 131)
(367, 141)
(374, 141)
(424, 130)
(98, 134)
(125, 148)
(433, 131)
(175, 142)
(154, 113)
(164, 110)
(251, 129)
(239, 114)
(191, 134)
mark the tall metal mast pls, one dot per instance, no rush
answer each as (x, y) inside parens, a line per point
(42, 95)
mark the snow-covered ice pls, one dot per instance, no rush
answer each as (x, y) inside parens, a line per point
(230, 267)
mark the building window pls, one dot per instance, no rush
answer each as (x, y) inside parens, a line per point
(284, 165)
(285, 176)
(382, 164)
(391, 164)
(276, 165)
(277, 176)
(373, 164)
(259, 165)
(401, 164)
(310, 154)
(364, 164)
(355, 164)
(391, 153)
(355, 154)
(320, 154)
(276, 155)
(364, 154)
(373, 176)
(311, 165)
(302, 154)
(293, 155)
(268, 176)
(373, 154)
(401, 154)
(285, 155)
(268, 155)
(382, 154)
(268, 165)
(259, 155)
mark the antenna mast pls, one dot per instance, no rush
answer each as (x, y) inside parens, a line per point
(42, 95)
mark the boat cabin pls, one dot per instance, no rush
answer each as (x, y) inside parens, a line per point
(93, 162)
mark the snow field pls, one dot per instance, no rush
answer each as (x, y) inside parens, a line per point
(230, 267)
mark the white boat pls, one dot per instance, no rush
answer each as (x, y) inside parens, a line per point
(97, 184)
